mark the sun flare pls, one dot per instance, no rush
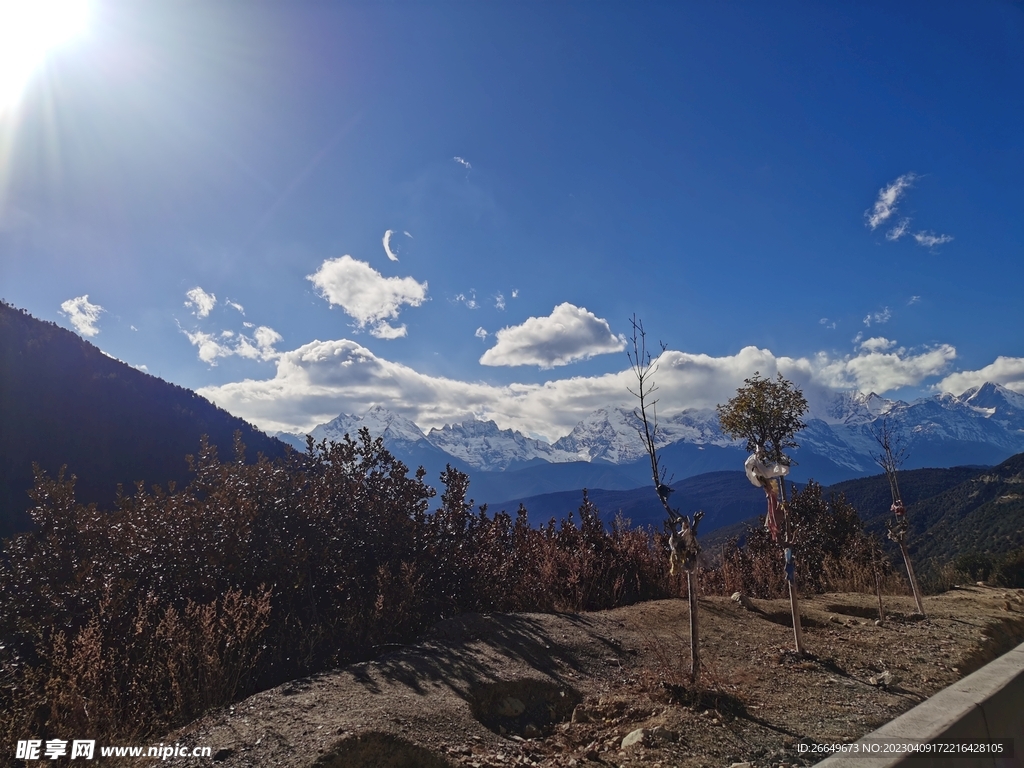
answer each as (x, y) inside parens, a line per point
(29, 29)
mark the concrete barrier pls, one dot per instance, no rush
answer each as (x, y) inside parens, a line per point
(987, 704)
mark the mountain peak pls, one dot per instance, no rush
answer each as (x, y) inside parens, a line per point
(993, 399)
(483, 445)
(856, 408)
(379, 420)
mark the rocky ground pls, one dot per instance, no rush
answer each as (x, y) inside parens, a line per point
(609, 688)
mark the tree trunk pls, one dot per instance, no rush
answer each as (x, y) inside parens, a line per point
(913, 578)
(794, 600)
(878, 591)
(798, 633)
(691, 590)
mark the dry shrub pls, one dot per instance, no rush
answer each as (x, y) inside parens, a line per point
(131, 621)
(165, 667)
(833, 553)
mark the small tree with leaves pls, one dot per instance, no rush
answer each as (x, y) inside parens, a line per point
(768, 413)
(890, 457)
(683, 545)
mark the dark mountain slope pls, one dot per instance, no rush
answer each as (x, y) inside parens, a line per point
(871, 498)
(63, 401)
(982, 514)
(725, 497)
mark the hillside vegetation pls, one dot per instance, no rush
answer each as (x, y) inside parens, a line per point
(64, 402)
(179, 599)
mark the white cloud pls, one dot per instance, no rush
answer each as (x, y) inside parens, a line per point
(515, 293)
(885, 205)
(1008, 371)
(321, 379)
(464, 163)
(82, 314)
(469, 301)
(387, 245)
(408, 235)
(898, 231)
(367, 296)
(202, 301)
(831, 325)
(878, 318)
(266, 337)
(481, 333)
(567, 335)
(914, 300)
(930, 239)
(877, 344)
(236, 306)
(259, 347)
(384, 330)
(499, 301)
(209, 348)
(880, 367)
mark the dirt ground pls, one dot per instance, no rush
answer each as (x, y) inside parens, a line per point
(567, 690)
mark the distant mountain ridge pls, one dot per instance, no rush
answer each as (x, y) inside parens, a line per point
(983, 426)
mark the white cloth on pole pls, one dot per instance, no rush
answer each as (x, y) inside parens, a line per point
(757, 469)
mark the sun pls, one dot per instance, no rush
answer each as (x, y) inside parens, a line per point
(29, 29)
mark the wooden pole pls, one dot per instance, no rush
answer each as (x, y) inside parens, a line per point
(912, 577)
(878, 591)
(794, 604)
(691, 589)
(794, 599)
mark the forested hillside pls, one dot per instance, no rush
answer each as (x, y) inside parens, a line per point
(982, 514)
(63, 401)
(872, 499)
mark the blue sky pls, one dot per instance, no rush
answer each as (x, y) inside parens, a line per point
(832, 190)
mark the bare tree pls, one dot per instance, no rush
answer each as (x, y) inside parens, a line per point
(891, 456)
(768, 413)
(683, 545)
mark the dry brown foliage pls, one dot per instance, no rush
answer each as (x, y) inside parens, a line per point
(116, 624)
(122, 623)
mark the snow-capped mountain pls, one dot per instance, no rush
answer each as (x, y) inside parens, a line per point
(398, 432)
(482, 445)
(611, 434)
(855, 408)
(984, 425)
(997, 403)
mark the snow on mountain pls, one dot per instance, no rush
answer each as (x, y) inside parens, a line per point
(298, 442)
(854, 408)
(975, 427)
(610, 434)
(996, 402)
(396, 430)
(948, 417)
(482, 445)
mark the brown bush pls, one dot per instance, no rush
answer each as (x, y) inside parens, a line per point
(833, 553)
(131, 621)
